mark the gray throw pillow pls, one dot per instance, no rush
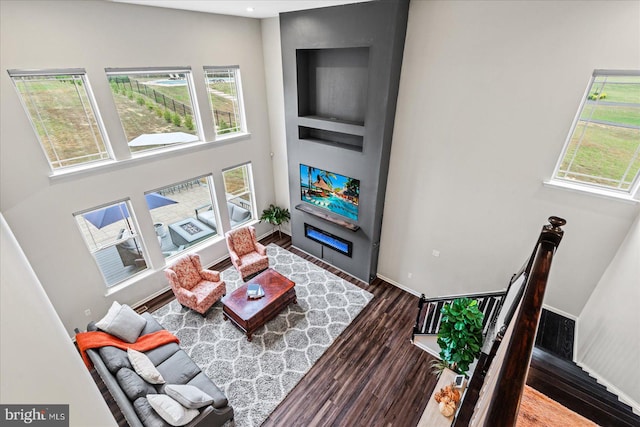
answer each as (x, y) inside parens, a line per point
(188, 395)
(121, 321)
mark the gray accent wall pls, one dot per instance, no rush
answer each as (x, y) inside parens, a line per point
(341, 68)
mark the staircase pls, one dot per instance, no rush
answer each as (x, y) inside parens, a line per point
(566, 383)
(558, 378)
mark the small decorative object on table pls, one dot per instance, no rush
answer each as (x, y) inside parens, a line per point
(447, 398)
(255, 291)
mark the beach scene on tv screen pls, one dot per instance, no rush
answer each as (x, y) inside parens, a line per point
(336, 193)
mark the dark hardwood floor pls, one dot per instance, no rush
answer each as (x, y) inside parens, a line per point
(371, 375)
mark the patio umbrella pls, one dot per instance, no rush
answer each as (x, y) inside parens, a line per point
(114, 213)
(147, 139)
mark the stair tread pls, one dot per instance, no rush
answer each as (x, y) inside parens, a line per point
(566, 386)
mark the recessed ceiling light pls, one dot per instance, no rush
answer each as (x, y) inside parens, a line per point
(249, 9)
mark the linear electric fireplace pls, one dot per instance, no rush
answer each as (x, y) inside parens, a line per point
(329, 240)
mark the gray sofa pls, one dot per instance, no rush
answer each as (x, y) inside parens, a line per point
(237, 215)
(129, 390)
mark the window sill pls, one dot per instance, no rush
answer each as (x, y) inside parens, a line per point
(592, 191)
(128, 282)
(143, 157)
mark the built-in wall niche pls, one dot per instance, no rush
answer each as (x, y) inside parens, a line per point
(339, 139)
(332, 83)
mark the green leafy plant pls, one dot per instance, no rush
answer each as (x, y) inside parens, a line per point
(275, 216)
(188, 122)
(168, 116)
(177, 120)
(460, 334)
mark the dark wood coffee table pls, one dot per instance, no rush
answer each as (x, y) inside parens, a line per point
(250, 314)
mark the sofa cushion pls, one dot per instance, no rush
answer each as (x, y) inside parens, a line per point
(122, 322)
(144, 367)
(114, 358)
(238, 214)
(147, 415)
(162, 353)
(171, 410)
(178, 369)
(188, 395)
(133, 385)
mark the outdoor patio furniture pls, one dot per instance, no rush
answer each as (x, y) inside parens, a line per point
(247, 255)
(237, 215)
(189, 231)
(129, 252)
(194, 287)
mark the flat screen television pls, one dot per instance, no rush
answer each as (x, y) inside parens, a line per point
(336, 193)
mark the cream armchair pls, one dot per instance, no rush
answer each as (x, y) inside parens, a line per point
(194, 287)
(247, 255)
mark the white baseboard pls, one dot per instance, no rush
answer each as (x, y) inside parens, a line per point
(398, 285)
(635, 406)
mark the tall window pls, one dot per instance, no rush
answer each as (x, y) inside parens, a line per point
(183, 214)
(156, 106)
(62, 111)
(225, 96)
(238, 186)
(603, 148)
(112, 238)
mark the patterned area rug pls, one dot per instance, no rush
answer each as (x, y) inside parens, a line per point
(256, 376)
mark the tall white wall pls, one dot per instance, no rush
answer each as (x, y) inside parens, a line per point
(95, 35)
(487, 96)
(38, 356)
(609, 323)
(275, 95)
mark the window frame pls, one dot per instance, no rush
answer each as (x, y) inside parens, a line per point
(135, 234)
(218, 232)
(594, 188)
(62, 170)
(196, 116)
(252, 193)
(243, 129)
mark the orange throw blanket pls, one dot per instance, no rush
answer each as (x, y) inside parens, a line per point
(89, 340)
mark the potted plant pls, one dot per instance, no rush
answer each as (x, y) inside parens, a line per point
(276, 216)
(460, 335)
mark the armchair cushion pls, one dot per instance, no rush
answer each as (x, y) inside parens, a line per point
(242, 241)
(187, 273)
(247, 255)
(193, 286)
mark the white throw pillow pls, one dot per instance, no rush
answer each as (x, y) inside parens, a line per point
(144, 367)
(121, 321)
(188, 395)
(170, 410)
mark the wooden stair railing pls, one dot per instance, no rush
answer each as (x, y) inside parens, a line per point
(496, 386)
(429, 311)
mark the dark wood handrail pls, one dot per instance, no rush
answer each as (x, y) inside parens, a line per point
(504, 402)
(471, 296)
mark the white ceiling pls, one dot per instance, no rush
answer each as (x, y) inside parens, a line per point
(261, 8)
